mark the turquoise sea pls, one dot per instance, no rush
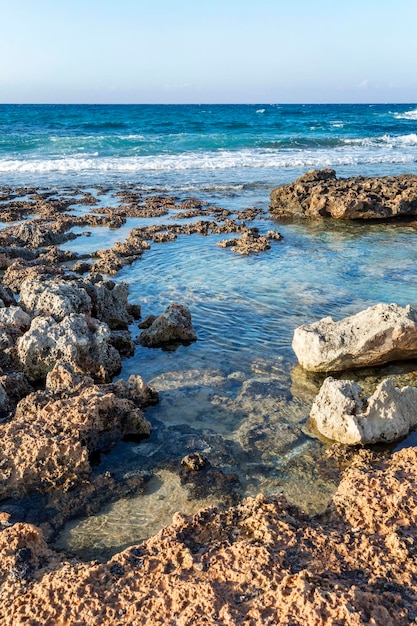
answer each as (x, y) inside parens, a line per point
(236, 395)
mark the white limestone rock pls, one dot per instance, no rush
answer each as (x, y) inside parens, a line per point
(340, 414)
(52, 297)
(79, 340)
(377, 335)
(15, 317)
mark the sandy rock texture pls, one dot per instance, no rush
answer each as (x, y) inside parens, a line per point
(81, 341)
(49, 441)
(377, 335)
(320, 193)
(173, 325)
(339, 413)
(261, 562)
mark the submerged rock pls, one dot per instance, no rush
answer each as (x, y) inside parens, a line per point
(320, 194)
(377, 335)
(82, 341)
(172, 326)
(340, 414)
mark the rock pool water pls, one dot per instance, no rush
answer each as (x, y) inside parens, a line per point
(236, 395)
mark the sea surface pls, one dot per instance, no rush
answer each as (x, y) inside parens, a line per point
(236, 395)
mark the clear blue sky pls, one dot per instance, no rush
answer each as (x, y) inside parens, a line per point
(150, 51)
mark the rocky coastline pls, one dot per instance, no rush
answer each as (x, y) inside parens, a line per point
(65, 327)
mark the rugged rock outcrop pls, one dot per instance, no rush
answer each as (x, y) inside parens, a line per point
(377, 335)
(54, 297)
(49, 441)
(102, 299)
(261, 562)
(174, 325)
(250, 242)
(320, 194)
(81, 341)
(339, 413)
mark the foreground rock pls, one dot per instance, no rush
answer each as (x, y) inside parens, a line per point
(340, 414)
(377, 335)
(49, 441)
(174, 325)
(261, 562)
(81, 341)
(320, 194)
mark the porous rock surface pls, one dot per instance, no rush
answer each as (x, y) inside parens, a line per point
(320, 193)
(81, 341)
(377, 335)
(103, 299)
(339, 413)
(261, 562)
(173, 325)
(48, 442)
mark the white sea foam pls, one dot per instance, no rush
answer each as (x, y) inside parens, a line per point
(387, 149)
(407, 115)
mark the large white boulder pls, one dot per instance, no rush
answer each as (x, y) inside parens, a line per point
(377, 335)
(340, 414)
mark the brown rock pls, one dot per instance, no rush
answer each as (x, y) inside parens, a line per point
(320, 194)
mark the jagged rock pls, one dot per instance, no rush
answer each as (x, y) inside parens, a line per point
(36, 235)
(320, 194)
(13, 387)
(340, 414)
(377, 335)
(14, 316)
(49, 441)
(6, 296)
(109, 301)
(173, 325)
(82, 341)
(55, 298)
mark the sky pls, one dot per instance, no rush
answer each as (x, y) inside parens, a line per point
(208, 51)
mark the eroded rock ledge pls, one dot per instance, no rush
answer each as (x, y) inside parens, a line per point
(261, 562)
(320, 193)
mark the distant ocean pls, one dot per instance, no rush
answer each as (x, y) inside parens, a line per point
(202, 147)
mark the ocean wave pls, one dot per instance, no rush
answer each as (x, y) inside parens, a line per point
(218, 160)
(407, 115)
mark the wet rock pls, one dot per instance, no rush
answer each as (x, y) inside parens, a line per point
(193, 462)
(109, 301)
(6, 296)
(250, 242)
(147, 322)
(377, 335)
(82, 341)
(81, 267)
(122, 341)
(173, 325)
(340, 414)
(320, 194)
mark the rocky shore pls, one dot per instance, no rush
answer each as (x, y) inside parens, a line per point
(66, 326)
